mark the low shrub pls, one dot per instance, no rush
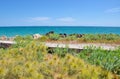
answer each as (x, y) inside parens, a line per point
(43, 38)
(104, 38)
(33, 62)
(108, 59)
(70, 38)
(54, 36)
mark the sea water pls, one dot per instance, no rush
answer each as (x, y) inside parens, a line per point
(29, 30)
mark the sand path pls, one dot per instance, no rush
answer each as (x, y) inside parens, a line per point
(72, 46)
(82, 45)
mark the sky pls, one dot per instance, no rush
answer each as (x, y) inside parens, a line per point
(60, 13)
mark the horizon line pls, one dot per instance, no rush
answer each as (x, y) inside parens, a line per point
(58, 26)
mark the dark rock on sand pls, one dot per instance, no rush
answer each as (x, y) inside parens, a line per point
(63, 35)
(51, 32)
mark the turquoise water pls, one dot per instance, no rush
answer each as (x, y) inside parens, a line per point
(12, 31)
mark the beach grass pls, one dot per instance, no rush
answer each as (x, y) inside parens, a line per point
(30, 59)
(85, 38)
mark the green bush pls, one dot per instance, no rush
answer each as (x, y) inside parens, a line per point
(33, 62)
(101, 37)
(108, 59)
(30, 60)
(43, 38)
(54, 36)
(61, 52)
(70, 38)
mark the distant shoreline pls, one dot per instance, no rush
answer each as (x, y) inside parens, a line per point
(61, 26)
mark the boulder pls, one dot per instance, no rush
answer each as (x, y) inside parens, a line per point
(36, 36)
(3, 38)
(63, 35)
(51, 32)
(79, 35)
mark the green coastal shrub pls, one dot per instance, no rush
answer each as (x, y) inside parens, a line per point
(28, 59)
(90, 38)
(43, 38)
(61, 52)
(71, 38)
(54, 36)
(32, 61)
(27, 37)
(108, 59)
(94, 37)
(24, 63)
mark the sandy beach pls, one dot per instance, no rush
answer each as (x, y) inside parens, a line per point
(73, 46)
(82, 45)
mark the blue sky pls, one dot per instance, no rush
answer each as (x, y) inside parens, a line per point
(59, 12)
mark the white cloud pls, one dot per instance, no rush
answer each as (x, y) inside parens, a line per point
(113, 10)
(66, 19)
(51, 21)
(40, 19)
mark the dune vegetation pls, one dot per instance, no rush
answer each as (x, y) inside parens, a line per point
(82, 38)
(29, 59)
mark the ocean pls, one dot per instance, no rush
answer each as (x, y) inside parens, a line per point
(29, 30)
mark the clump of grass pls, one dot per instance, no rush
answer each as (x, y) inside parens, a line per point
(31, 61)
(85, 38)
(101, 38)
(89, 38)
(108, 59)
(54, 36)
(43, 38)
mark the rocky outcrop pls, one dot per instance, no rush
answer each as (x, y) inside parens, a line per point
(63, 35)
(36, 36)
(3, 37)
(51, 32)
(77, 35)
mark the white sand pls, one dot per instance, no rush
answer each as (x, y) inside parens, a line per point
(73, 46)
(7, 42)
(82, 45)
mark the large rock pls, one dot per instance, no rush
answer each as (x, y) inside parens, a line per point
(63, 35)
(3, 38)
(79, 35)
(36, 36)
(51, 32)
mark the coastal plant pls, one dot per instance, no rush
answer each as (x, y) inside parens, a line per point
(43, 38)
(101, 38)
(27, 37)
(70, 38)
(71, 67)
(22, 41)
(54, 36)
(89, 38)
(22, 62)
(108, 59)
(32, 61)
(61, 52)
